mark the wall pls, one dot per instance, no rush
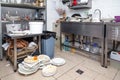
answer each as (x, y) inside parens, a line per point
(109, 9)
(52, 15)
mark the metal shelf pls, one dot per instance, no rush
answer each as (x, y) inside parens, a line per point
(22, 8)
(79, 49)
(8, 21)
(82, 6)
(27, 6)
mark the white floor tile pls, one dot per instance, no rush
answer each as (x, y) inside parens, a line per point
(92, 70)
(117, 77)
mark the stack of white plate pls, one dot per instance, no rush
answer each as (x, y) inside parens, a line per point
(58, 61)
(29, 65)
(26, 69)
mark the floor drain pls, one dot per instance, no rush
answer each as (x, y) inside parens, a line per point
(79, 71)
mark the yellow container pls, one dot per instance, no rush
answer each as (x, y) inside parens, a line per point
(72, 50)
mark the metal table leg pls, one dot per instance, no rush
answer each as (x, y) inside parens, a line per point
(102, 53)
(106, 50)
(60, 41)
(39, 42)
(1, 54)
(15, 56)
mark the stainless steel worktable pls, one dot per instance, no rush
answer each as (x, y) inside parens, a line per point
(90, 29)
(112, 34)
(15, 48)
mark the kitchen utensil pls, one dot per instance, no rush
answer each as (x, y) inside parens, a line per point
(13, 27)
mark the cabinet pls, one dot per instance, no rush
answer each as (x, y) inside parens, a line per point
(21, 10)
(88, 5)
(113, 37)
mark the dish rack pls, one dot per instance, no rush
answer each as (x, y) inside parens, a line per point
(21, 53)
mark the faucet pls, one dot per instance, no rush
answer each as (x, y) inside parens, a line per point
(99, 13)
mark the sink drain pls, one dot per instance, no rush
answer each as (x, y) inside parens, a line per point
(80, 71)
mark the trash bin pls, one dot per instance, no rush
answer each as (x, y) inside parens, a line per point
(48, 43)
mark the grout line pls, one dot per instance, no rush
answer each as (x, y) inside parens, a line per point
(116, 75)
(54, 78)
(68, 70)
(6, 75)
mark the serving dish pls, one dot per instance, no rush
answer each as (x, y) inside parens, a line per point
(58, 61)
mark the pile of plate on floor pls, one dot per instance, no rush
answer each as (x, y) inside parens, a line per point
(32, 64)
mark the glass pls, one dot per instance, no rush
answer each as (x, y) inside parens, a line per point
(25, 27)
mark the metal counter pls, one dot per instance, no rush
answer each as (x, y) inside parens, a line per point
(113, 34)
(89, 29)
(84, 28)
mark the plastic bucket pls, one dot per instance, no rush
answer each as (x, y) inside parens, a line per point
(13, 27)
(36, 27)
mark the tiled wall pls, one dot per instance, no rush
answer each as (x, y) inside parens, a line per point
(109, 9)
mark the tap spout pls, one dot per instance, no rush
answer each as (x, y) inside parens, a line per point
(99, 13)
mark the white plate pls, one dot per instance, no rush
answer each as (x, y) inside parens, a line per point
(30, 65)
(58, 61)
(28, 70)
(49, 70)
(44, 58)
(30, 60)
(26, 73)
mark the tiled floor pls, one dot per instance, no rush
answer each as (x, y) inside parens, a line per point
(92, 70)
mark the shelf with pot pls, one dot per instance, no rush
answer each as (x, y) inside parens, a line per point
(21, 14)
(27, 6)
(86, 4)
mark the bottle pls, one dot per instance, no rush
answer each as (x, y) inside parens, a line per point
(87, 46)
(73, 50)
(74, 3)
(66, 42)
(95, 48)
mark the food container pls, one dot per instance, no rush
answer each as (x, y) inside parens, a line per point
(115, 55)
(36, 27)
(13, 27)
(117, 18)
